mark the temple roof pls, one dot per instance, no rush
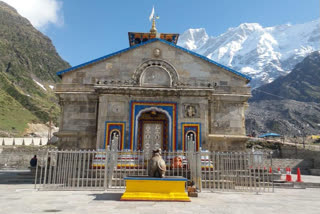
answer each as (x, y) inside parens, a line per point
(145, 43)
(137, 38)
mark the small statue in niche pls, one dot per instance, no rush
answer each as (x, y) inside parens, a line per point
(157, 166)
(190, 111)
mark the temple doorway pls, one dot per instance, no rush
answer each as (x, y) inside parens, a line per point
(152, 131)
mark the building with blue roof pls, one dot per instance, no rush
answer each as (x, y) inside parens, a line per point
(153, 94)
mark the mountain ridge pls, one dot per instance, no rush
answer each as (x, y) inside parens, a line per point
(301, 84)
(28, 63)
(290, 105)
(264, 53)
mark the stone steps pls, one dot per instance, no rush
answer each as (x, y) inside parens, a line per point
(16, 177)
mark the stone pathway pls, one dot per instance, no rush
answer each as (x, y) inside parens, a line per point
(24, 199)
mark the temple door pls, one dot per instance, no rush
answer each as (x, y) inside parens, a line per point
(152, 136)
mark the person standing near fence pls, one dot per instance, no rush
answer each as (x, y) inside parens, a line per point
(33, 161)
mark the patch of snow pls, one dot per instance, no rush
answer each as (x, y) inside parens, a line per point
(248, 70)
(39, 84)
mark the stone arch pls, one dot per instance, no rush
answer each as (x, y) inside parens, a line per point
(158, 110)
(161, 65)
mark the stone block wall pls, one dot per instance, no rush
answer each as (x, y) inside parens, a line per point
(18, 157)
(304, 165)
(217, 144)
(293, 153)
(78, 122)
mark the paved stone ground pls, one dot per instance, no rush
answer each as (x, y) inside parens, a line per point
(306, 178)
(24, 199)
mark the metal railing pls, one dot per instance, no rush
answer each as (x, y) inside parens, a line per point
(104, 170)
(70, 170)
(247, 172)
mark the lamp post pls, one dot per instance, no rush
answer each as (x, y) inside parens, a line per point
(304, 134)
(50, 122)
(295, 142)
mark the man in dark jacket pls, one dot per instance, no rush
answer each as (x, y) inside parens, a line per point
(33, 161)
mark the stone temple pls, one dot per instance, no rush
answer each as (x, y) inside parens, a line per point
(152, 94)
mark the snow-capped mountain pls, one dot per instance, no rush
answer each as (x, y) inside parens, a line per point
(264, 53)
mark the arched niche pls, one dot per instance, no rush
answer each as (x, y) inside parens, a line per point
(115, 138)
(155, 73)
(190, 137)
(155, 76)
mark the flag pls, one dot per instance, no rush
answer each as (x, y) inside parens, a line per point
(152, 14)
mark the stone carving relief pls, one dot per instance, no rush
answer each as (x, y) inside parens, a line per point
(108, 66)
(156, 52)
(153, 71)
(191, 111)
(117, 108)
(222, 124)
(152, 137)
(155, 77)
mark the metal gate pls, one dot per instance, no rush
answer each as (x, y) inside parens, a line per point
(105, 170)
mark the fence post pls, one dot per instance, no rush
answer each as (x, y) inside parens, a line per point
(198, 170)
(272, 177)
(105, 169)
(36, 176)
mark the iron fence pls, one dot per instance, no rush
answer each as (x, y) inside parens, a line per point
(237, 172)
(105, 170)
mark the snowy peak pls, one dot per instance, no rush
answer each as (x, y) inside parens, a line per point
(247, 28)
(264, 53)
(194, 38)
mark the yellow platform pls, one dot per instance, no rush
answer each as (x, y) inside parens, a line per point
(155, 189)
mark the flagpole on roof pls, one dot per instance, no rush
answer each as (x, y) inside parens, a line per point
(152, 17)
(152, 14)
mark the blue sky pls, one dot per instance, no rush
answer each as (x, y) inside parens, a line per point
(82, 30)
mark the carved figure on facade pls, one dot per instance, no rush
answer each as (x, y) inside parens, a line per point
(156, 52)
(191, 110)
(116, 108)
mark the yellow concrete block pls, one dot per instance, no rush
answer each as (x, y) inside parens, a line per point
(155, 189)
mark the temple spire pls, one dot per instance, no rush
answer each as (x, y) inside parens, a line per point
(152, 16)
(153, 29)
(136, 38)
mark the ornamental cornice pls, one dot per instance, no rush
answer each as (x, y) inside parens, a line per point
(142, 91)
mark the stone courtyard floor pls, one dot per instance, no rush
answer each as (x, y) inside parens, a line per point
(24, 199)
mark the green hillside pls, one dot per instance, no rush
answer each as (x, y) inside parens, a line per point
(27, 60)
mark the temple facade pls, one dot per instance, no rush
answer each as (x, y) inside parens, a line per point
(153, 94)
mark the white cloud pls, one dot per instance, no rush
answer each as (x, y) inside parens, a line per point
(39, 12)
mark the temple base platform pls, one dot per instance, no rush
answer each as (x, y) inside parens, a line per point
(155, 189)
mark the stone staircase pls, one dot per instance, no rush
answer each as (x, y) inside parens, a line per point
(10, 176)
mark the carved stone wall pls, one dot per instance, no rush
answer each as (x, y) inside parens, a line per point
(78, 120)
(190, 70)
(205, 94)
(228, 117)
